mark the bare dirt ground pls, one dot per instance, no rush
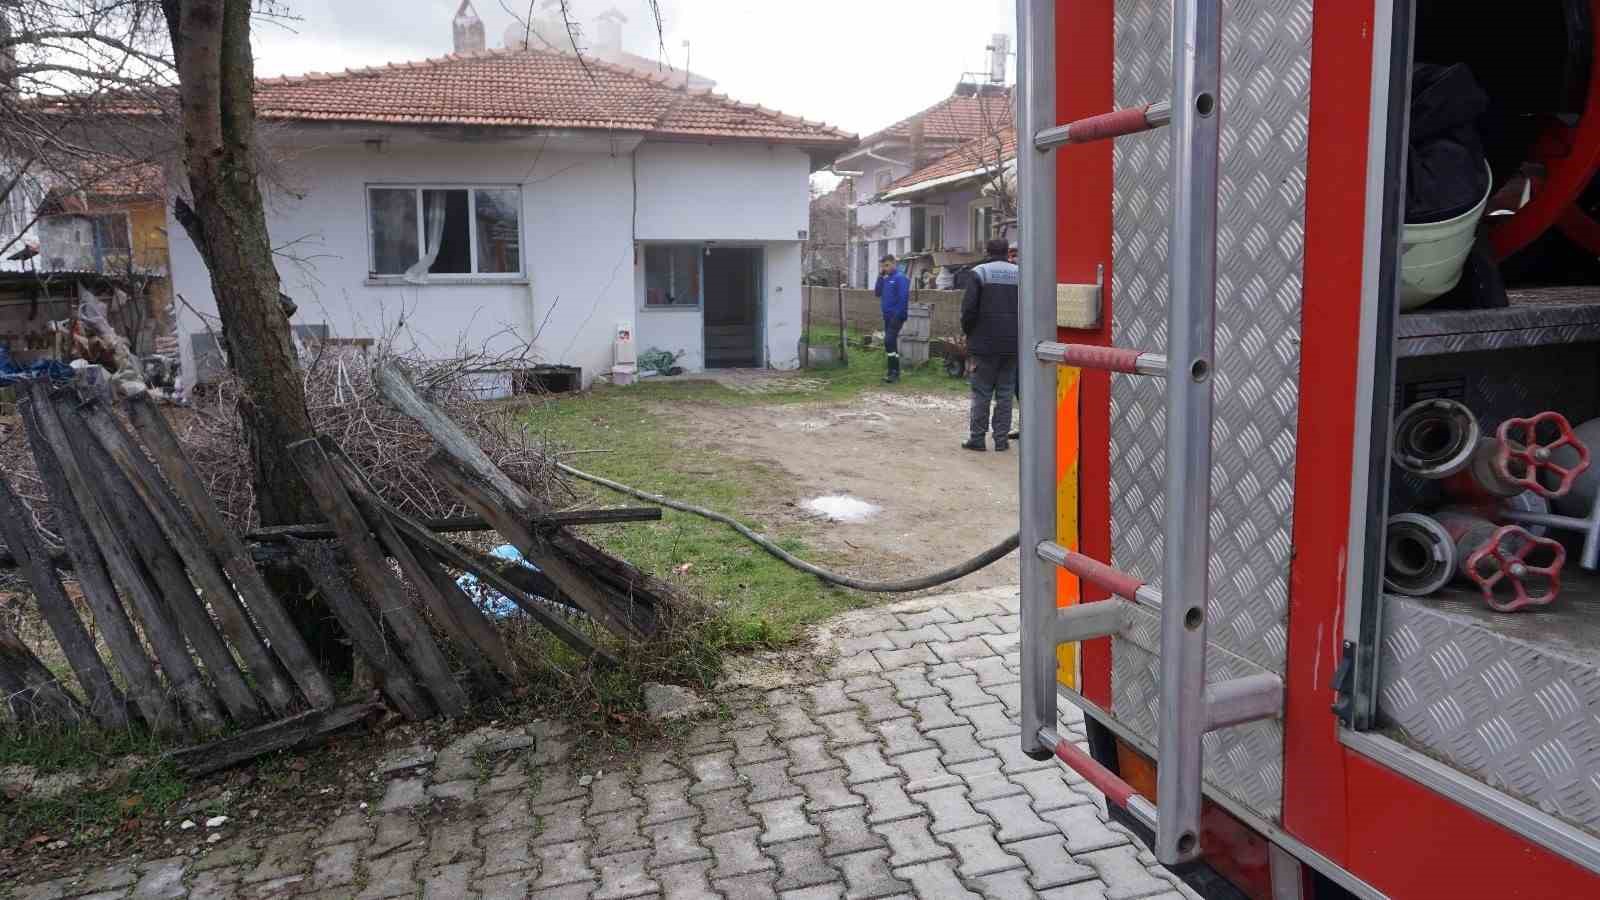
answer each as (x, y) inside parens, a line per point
(939, 504)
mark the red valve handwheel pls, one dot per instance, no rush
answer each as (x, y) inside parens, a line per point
(1507, 552)
(1535, 458)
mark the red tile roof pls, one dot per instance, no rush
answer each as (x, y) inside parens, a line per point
(980, 153)
(534, 89)
(956, 118)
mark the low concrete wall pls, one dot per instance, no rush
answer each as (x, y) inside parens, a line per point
(863, 312)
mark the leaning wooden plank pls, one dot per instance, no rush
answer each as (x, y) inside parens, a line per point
(122, 502)
(466, 625)
(581, 587)
(321, 562)
(105, 701)
(398, 390)
(160, 628)
(264, 606)
(373, 568)
(452, 524)
(94, 580)
(299, 732)
(174, 523)
(32, 692)
(492, 576)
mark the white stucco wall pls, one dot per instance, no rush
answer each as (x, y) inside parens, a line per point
(578, 244)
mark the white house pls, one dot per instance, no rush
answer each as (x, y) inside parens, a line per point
(499, 196)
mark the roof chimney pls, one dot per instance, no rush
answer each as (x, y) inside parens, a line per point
(8, 59)
(467, 30)
(999, 57)
(608, 33)
(919, 143)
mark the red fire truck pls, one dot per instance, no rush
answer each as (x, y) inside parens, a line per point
(1308, 526)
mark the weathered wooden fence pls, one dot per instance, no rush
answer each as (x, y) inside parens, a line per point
(159, 568)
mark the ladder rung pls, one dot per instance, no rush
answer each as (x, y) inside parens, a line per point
(1087, 621)
(1240, 700)
(1112, 359)
(1118, 792)
(1106, 125)
(1100, 575)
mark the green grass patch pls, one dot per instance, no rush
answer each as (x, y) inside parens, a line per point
(117, 789)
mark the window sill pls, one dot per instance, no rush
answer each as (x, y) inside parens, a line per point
(675, 308)
(446, 281)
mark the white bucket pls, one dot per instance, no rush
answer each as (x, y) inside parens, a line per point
(1432, 255)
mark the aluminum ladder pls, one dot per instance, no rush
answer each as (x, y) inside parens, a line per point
(1189, 708)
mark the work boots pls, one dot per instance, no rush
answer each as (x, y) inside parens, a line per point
(893, 374)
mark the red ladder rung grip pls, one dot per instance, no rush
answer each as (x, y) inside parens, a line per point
(1112, 359)
(1116, 790)
(1103, 576)
(1109, 125)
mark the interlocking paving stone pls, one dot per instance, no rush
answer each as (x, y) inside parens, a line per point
(685, 881)
(784, 820)
(802, 865)
(950, 809)
(901, 736)
(623, 875)
(1049, 863)
(1049, 790)
(868, 785)
(1084, 829)
(829, 697)
(925, 771)
(1125, 877)
(449, 882)
(887, 801)
(675, 843)
(911, 683)
(935, 712)
(894, 659)
(852, 666)
(827, 790)
(563, 864)
(736, 853)
(865, 762)
(1016, 818)
(667, 801)
(910, 637)
(846, 831)
(333, 867)
(713, 772)
(935, 879)
(911, 842)
(958, 744)
(930, 616)
(725, 811)
(810, 754)
(769, 780)
(984, 779)
(391, 876)
(561, 824)
(160, 879)
(845, 728)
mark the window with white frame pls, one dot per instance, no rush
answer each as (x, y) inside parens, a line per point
(935, 240)
(456, 231)
(982, 226)
(885, 178)
(672, 275)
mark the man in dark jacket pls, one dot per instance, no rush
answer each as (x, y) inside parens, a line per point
(894, 296)
(989, 320)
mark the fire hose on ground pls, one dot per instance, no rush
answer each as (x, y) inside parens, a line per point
(943, 576)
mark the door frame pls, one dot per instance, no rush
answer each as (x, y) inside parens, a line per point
(761, 349)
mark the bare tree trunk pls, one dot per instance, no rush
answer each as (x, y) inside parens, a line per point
(227, 222)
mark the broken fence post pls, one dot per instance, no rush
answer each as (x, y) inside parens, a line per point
(31, 691)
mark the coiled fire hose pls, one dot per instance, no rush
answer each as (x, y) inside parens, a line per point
(943, 576)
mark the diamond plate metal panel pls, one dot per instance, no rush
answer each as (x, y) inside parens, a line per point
(1245, 761)
(1260, 248)
(1512, 700)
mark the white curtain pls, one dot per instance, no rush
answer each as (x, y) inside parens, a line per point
(434, 202)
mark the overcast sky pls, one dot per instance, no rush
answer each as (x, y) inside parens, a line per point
(857, 64)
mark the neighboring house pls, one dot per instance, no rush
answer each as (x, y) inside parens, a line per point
(974, 111)
(826, 245)
(486, 199)
(19, 208)
(966, 197)
(549, 32)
